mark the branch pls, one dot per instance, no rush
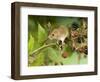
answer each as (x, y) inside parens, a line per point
(44, 46)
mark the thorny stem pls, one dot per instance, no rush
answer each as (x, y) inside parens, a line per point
(44, 46)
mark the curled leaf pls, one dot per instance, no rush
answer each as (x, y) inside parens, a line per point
(42, 35)
(30, 43)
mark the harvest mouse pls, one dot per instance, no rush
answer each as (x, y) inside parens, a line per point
(59, 34)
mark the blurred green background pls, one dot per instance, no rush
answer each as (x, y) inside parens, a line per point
(38, 32)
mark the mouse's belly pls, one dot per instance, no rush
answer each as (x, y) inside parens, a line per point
(62, 38)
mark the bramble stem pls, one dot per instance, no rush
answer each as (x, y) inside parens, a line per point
(44, 46)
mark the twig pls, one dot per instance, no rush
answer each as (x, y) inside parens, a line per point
(44, 46)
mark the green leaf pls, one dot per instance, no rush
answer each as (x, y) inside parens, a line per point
(54, 55)
(30, 43)
(83, 60)
(73, 59)
(42, 35)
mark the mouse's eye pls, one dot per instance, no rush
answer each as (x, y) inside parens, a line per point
(52, 34)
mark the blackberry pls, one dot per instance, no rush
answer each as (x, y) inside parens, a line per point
(86, 50)
(80, 39)
(75, 26)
